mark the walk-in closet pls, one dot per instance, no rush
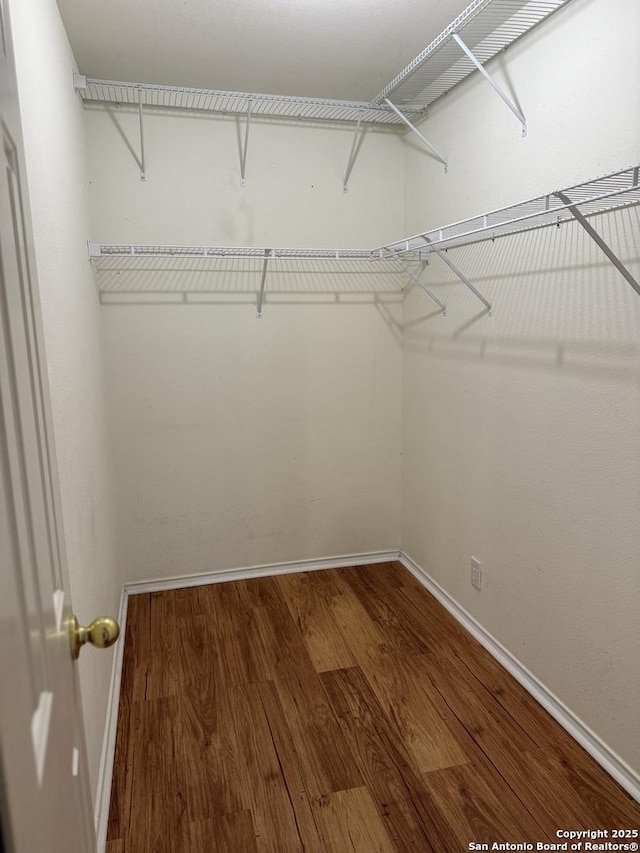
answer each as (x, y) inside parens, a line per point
(323, 383)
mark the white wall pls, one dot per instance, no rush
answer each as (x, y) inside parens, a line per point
(54, 145)
(241, 441)
(521, 432)
(192, 195)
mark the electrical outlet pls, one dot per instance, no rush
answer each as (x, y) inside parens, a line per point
(476, 573)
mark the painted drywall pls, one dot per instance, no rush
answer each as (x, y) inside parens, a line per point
(521, 431)
(53, 129)
(241, 441)
(192, 194)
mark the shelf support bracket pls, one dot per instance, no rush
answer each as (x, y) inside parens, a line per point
(416, 280)
(507, 100)
(412, 127)
(597, 239)
(267, 255)
(143, 169)
(352, 155)
(454, 269)
(243, 162)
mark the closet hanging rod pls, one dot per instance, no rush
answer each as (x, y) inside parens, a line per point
(236, 103)
(601, 195)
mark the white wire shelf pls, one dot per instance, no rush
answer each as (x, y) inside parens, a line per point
(601, 195)
(489, 26)
(237, 103)
(606, 194)
(100, 253)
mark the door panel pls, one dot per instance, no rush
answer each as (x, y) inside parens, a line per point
(46, 803)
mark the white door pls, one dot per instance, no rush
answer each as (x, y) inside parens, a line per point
(45, 802)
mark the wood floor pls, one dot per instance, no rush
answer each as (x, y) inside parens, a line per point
(334, 711)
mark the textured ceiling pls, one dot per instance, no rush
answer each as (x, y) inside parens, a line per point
(318, 48)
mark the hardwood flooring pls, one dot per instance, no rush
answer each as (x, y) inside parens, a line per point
(342, 711)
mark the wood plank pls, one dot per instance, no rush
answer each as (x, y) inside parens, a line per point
(121, 783)
(350, 822)
(207, 736)
(327, 763)
(228, 832)
(474, 664)
(223, 604)
(132, 688)
(238, 615)
(609, 804)
(163, 674)
(314, 620)
(411, 816)
(116, 846)
(262, 592)
(471, 658)
(490, 726)
(557, 793)
(365, 585)
(479, 711)
(327, 583)
(433, 625)
(399, 690)
(274, 817)
(158, 821)
(138, 645)
(475, 809)
(291, 764)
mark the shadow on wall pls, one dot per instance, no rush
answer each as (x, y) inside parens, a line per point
(151, 275)
(558, 303)
(236, 281)
(131, 138)
(112, 111)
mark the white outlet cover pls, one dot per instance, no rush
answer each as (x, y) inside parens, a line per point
(476, 573)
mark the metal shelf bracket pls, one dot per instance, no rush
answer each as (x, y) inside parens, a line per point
(352, 156)
(267, 255)
(597, 239)
(143, 170)
(507, 100)
(454, 269)
(412, 127)
(416, 280)
(79, 82)
(243, 163)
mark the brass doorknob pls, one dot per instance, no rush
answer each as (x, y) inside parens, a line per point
(101, 633)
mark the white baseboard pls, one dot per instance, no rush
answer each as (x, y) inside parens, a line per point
(222, 575)
(625, 775)
(105, 773)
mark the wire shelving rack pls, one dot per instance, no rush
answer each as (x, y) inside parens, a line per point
(489, 26)
(581, 202)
